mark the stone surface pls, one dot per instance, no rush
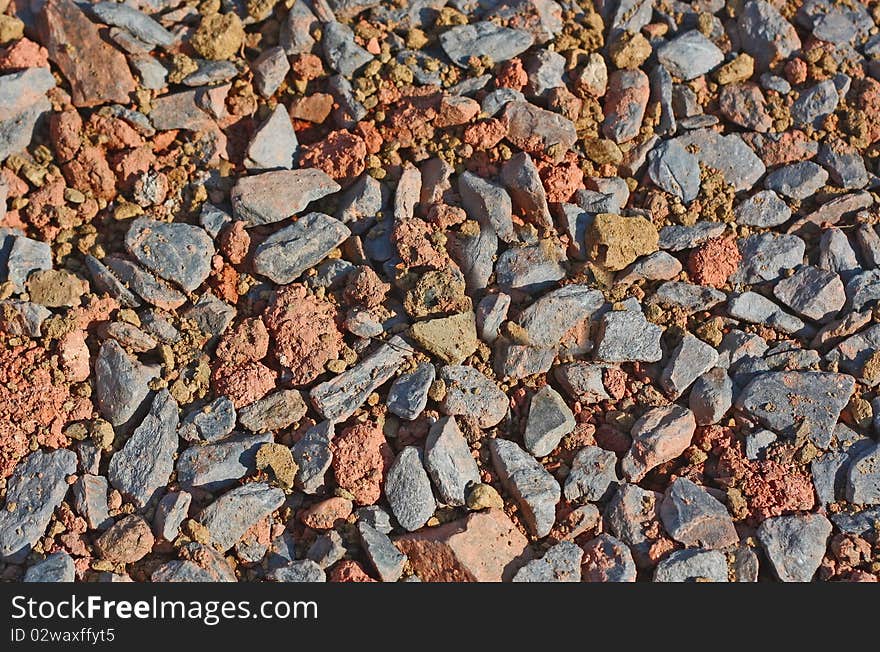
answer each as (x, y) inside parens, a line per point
(470, 392)
(408, 490)
(607, 559)
(690, 55)
(692, 517)
(214, 467)
(592, 475)
(287, 253)
(236, 511)
(37, 486)
(180, 253)
(795, 544)
(144, 464)
(692, 566)
(532, 487)
(626, 335)
(449, 462)
(690, 360)
(483, 39)
(57, 567)
(812, 292)
(662, 434)
(408, 394)
(549, 420)
(561, 563)
(274, 196)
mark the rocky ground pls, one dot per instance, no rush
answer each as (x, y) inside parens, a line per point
(359, 290)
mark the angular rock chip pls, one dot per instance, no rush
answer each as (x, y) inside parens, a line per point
(144, 464)
(408, 490)
(534, 489)
(797, 404)
(593, 472)
(488, 203)
(121, 383)
(696, 519)
(483, 38)
(274, 196)
(313, 457)
(236, 511)
(764, 209)
(690, 55)
(607, 559)
(625, 336)
(273, 412)
(551, 317)
(216, 466)
(274, 144)
(449, 461)
(180, 253)
(408, 395)
(338, 398)
(520, 176)
(287, 253)
(795, 544)
(692, 566)
(385, 558)
(341, 51)
(690, 360)
(660, 435)
(675, 170)
(469, 392)
(863, 477)
(729, 154)
(209, 423)
(549, 420)
(452, 339)
(37, 486)
(561, 563)
(538, 131)
(711, 396)
(812, 292)
(57, 567)
(798, 181)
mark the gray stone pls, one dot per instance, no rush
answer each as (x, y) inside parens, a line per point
(776, 83)
(690, 360)
(692, 566)
(515, 361)
(626, 336)
(549, 420)
(488, 203)
(757, 443)
(797, 403)
(676, 237)
(327, 549)
(814, 104)
(239, 509)
(105, 281)
(449, 461)
(121, 383)
(491, 313)
(765, 256)
(592, 475)
(545, 69)
(274, 196)
(274, 144)
(689, 55)
(408, 490)
(180, 253)
(692, 517)
(845, 164)
(209, 73)
(744, 105)
(171, 511)
(765, 34)
(90, 499)
(863, 289)
(270, 69)
(483, 38)
(287, 253)
(607, 559)
(561, 563)
(341, 52)
(675, 170)
(347, 109)
(474, 250)
(145, 463)
(304, 570)
(26, 256)
(469, 392)
(534, 489)
(137, 23)
(757, 309)
(863, 477)
(210, 314)
(338, 398)
(575, 221)
(869, 244)
(812, 292)
(625, 103)
(660, 435)
(547, 321)
(23, 317)
(359, 204)
(686, 296)
(795, 544)
(209, 422)
(520, 176)
(36, 487)
(495, 101)
(408, 395)
(530, 268)
(661, 90)
(763, 209)
(711, 396)
(539, 131)
(275, 411)
(631, 514)
(213, 467)
(23, 105)
(57, 567)
(582, 381)
(729, 154)
(797, 180)
(658, 266)
(144, 284)
(383, 555)
(313, 456)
